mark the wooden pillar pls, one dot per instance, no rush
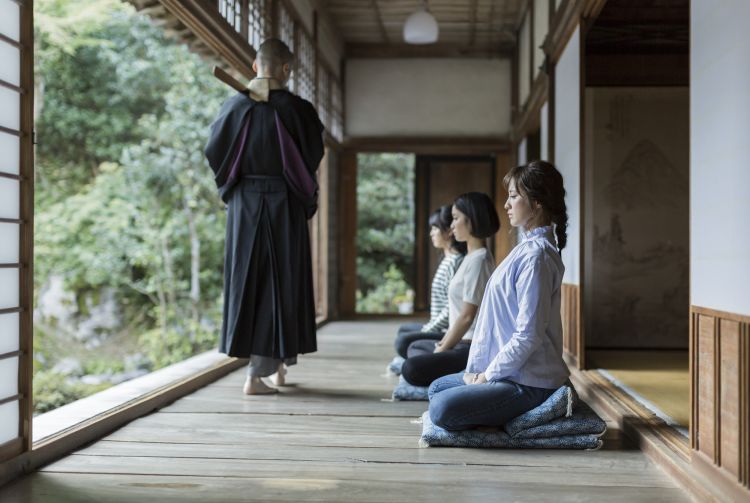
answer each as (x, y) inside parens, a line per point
(347, 233)
(504, 241)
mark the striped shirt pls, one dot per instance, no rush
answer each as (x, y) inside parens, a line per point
(439, 293)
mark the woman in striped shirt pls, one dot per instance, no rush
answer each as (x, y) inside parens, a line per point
(453, 254)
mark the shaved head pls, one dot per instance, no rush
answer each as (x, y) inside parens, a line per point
(273, 54)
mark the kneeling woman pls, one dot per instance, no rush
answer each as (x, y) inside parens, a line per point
(453, 253)
(474, 220)
(515, 362)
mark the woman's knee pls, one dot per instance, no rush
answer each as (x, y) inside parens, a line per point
(442, 413)
(401, 344)
(410, 372)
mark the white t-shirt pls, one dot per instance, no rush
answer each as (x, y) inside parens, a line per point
(468, 285)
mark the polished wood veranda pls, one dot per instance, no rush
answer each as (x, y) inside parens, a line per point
(329, 436)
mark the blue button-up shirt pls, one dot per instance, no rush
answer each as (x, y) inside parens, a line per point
(518, 335)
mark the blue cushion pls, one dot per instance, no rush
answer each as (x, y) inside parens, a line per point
(563, 421)
(406, 391)
(435, 436)
(395, 366)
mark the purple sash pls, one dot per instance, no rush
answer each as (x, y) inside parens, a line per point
(235, 169)
(299, 179)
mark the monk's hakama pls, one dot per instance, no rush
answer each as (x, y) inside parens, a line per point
(269, 308)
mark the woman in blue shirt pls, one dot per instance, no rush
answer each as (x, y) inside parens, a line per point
(515, 362)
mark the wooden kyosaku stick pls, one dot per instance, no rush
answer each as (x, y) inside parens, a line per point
(228, 79)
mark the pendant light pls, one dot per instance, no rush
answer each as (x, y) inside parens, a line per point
(421, 27)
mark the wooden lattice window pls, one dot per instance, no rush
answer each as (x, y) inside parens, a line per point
(305, 67)
(231, 10)
(324, 96)
(285, 30)
(258, 21)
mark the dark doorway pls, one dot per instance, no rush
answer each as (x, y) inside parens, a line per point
(636, 221)
(440, 179)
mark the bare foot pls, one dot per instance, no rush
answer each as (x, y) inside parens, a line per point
(279, 378)
(256, 386)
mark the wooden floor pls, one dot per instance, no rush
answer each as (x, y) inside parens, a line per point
(661, 377)
(329, 437)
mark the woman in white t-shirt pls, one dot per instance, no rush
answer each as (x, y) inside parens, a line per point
(474, 220)
(453, 253)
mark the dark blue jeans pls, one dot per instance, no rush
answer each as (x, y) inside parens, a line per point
(455, 405)
(410, 332)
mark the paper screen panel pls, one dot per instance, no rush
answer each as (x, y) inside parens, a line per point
(9, 235)
(8, 288)
(10, 69)
(8, 421)
(9, 153)
(10, 111)
(10, 21)
(9, 197)
(9, 326)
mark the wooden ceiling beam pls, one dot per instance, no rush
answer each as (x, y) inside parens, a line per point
(439, 50)
(207, 24)
(379, 17)
(473, 22)
(491, 22)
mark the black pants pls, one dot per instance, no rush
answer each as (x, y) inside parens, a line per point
(423, 365)
(411, 332)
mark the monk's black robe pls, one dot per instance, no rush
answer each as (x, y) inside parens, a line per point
(269, 306)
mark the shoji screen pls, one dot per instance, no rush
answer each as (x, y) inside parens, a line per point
(15, 224)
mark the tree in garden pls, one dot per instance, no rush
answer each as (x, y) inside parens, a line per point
(124, 199)
(385, 230)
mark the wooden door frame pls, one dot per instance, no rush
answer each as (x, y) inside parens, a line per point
(422, 212)
(498, 147)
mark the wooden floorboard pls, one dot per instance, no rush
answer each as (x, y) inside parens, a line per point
(331, 436)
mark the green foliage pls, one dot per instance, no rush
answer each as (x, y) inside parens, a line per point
(53, 390)
(385, 297)
(385, 227)
(99, 68)
(124, 197)
(102, 366)
(171, 345)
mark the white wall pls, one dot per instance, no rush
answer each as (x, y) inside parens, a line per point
(719, 159)
(567, 148)
(521, 153)
(427, 97)
(541, 26)
(544, 132)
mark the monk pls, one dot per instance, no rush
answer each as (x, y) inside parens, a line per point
(264, 149)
